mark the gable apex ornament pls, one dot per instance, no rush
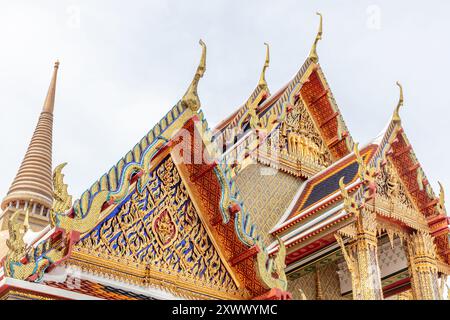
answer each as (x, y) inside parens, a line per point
(313, 53)
(190, 99)
(262, 80)
(396, 116)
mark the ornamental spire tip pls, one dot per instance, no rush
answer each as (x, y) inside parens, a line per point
(313, 53)
(190, 99)
(396, 116)
(262, 79)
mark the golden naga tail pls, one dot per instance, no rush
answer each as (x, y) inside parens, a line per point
(62, 201)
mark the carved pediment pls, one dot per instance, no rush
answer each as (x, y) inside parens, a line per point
(393, 201)
(297, 143)
(160, 230)
(390, 186)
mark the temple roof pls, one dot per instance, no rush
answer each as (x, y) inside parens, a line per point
(319, 188)
(183, 214)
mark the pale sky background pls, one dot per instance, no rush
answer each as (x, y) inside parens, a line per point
(124, 64)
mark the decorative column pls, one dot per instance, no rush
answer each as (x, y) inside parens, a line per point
(422, 266)
(363, 261)
(319, 291)
(362, 258)
(367, 256)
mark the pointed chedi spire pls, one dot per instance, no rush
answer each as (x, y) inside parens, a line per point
(32, 186)
(313, 53)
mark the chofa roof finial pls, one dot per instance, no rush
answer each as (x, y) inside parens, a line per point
(190, 99)
(396, 116)
(313, 53)
(262, 79)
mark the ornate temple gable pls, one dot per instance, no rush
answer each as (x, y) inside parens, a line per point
(129, 224)
(319, 135)
(408, 167)
(393, 146)
(418, 187)
(319, 205)
(210, 235)
(312, 88)
(160, 231)
(264, 118)
(296, 146)
(395, 149)
(215, 194)
(320, 102)
(307, 123)
(390, 187)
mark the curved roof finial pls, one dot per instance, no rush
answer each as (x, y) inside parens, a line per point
(313, 53)
(190, 99)
(262, 79)
(396, 116)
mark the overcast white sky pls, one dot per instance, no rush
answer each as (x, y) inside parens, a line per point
(124, 64)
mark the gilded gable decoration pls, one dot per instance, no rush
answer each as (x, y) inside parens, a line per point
(313, 53)
(190, 99)
(396, 116)
(62, 201)
(160, 229)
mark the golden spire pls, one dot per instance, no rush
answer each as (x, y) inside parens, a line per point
(313, 53)
(190, 99)
(33, 182)
(262, 80)
(396, 116)
(49, 102)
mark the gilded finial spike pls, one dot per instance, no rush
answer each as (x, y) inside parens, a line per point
(313, 53)
(190, 99)
(262, 80)
(396, 116)
(49, 103)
